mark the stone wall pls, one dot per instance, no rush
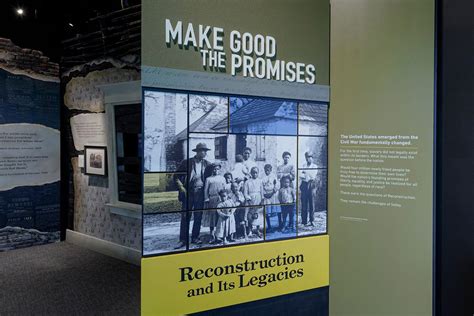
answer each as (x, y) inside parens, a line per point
(18, 237)
(26, 61)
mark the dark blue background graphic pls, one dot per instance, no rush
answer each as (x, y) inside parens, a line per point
(31, 207)
(27, 100)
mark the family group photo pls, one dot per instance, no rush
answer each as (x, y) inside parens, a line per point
(236, 173)
(244, 183)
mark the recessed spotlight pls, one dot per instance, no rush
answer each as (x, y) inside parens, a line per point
(20, 11)
(70, 24)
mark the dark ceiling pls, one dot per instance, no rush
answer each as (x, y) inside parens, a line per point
(46, 23)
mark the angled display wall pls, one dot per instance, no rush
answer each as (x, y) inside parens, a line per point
(235, 152)
(381, 157)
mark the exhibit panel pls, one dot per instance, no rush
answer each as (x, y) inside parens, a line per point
(381, 154)
(234, 153)
(29, 148)
(102, 121)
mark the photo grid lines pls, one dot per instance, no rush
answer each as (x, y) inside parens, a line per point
(228, 187)
(160, 192)
(298, 123)
(312, 209)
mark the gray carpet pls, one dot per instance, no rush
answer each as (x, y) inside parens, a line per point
(63, 279)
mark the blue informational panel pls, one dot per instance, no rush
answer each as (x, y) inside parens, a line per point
(29, 160)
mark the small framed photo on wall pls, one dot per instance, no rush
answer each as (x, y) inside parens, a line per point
(95, 160)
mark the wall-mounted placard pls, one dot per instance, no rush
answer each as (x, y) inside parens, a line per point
(89, 129)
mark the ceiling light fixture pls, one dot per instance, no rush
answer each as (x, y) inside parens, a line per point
(20, 11)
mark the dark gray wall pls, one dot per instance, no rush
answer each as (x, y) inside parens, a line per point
(455, 154)
(313, 302)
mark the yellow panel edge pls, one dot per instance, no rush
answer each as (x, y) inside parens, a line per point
(203, 280)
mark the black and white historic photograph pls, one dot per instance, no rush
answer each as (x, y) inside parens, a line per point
(166, 121)
(312, 213)
(256, 163)
(208, 113)
(263, 116)
(313, 119)
(317, 147)
(163, 192)
(95, 160)
(162, 234)
(223, 171)
(235, 224)
(280, 221)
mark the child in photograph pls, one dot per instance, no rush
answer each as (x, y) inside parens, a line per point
(213, 185)
(253, 192)
(240, 172)
(286, 169)
(287, 196)
(239, 200)
(228, 181)
(270, 190)
(225, 229)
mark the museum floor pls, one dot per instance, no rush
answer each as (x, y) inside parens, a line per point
(63, 279)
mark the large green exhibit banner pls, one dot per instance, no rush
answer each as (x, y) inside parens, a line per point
(381, 157)
(235, 102)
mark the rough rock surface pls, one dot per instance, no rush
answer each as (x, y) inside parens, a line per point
(17, 237)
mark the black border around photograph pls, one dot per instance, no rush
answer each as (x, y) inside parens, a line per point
(105, 162)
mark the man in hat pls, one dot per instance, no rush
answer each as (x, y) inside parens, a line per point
(307, 189)
(192, 198)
